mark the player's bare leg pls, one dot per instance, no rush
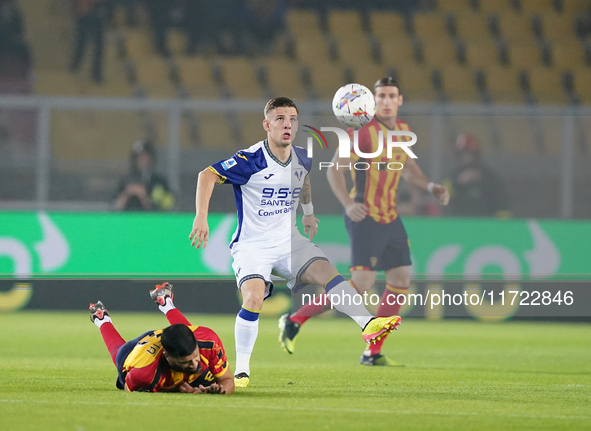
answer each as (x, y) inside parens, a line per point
(345, 299)
(246, 328)
(162, 295)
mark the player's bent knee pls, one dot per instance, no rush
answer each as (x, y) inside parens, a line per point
(253, 293)
(319, 272)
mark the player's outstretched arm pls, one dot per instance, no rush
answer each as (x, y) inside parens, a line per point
(413, 174)
(336, 179)
(309, 221)
(205, 184)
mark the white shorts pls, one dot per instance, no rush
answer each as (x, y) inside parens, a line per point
(288, 261)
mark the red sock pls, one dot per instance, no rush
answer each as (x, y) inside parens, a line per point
(309, 310)
(386, 310)
(174, 316)
(112, 339)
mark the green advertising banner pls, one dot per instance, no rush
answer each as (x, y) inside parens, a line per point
(138, 244)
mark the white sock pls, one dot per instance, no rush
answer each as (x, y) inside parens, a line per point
(345, 298)
(99, 322)
(167, 307)
(245, 333)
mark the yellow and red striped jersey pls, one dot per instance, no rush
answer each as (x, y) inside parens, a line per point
(376, 187)
(146, 368)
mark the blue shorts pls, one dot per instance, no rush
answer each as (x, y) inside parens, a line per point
(376, 246)
(122, 355)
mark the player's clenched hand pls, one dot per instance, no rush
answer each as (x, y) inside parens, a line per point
(310, 225)
(200, 232)
(213, 389)
(356, 211)
(441, 193)
(186, 388)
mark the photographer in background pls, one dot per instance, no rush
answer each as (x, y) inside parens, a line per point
(143, 189)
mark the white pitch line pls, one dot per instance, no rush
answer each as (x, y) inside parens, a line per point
(326, 409)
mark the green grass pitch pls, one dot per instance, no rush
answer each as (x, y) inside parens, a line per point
(55, 374)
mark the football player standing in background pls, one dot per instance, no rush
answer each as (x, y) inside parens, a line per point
(376, 233)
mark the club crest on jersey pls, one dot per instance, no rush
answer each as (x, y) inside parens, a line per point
(228, 164)
(299, 173)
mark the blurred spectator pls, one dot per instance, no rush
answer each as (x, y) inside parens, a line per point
(91, 17)
(268, 20)
(164, 15)
(143, 189)
(475, 189)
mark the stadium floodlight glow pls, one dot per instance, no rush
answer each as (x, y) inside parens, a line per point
(345, 143)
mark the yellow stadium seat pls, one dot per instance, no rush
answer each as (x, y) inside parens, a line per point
(302, 22)
(439, 52)
(516, 134)
(196, 77)
(568, 55)
(453, 5)
(397, 50)
(177, 41)
(368, 74)
(94, 135)
(311, 49)
(57, 83)
(516, 28)
(345, 24)
(240, 78)
(503, 85)
(459, 84)
(215, 131)
(524, 56)
(152, 73)
(558, 28)
(575, 7)
(537, 6)
(421, 126)
(416, 83)
(139, 44)
(472, 26)
(355, 51)
(251, 128)
(327, 78)
(284, 78)
(551, 130)
(482, 53)
(546, 85)
(387, 25)
(161, 119)
(492, 6)
(581, 80)
(430, 25)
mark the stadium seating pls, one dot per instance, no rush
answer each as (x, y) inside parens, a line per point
(575, 7)
(453, 5)
(581, 80)
(516, 28)
(177, 41)
(196, 77)
(478, 126)
(386, 25)
(240, 78)
(138, 44)
(439, 52)
(397, 51)
(524, 56)
(546, 86)
(471, 27)
(152, 74)
(430, 25)
(516, 134)
(558, 28)
(459, 84)
(302, 22)
(216, 130)
(503, 85)
(252, 127)
(82, 134)
(417, 83)
(489, 6)
(284, 78)
(482, 53)
(568, 55)
(368, 74)
(537, 6)
(326, 77)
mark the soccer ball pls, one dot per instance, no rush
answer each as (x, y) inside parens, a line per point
(354, 105)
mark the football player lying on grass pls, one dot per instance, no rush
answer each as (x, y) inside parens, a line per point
(179, 358)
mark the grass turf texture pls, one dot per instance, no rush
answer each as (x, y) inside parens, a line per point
(55, 374)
